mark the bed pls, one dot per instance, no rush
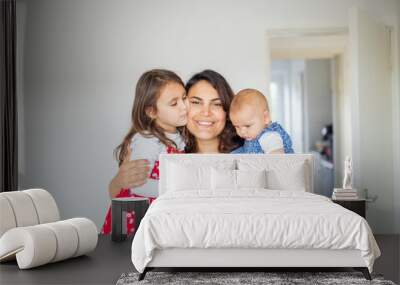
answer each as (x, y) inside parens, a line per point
(247, 210)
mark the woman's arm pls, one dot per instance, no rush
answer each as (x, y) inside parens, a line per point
(131, 173)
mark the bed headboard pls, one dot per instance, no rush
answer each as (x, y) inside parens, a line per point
(287, 168)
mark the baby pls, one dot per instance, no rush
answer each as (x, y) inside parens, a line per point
(249, 113)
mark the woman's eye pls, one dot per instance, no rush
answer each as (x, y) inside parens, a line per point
(174, 103)
(195, 102)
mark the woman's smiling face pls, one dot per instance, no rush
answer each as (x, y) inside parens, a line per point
(206, 116)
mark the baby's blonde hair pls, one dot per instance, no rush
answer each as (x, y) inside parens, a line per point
(249, 97)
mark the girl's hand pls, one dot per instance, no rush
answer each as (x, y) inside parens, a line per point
(131, 173)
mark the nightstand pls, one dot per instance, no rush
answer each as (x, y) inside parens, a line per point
(357, 206)
(120, 208)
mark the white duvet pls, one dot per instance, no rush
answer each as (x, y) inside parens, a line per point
(252, 218)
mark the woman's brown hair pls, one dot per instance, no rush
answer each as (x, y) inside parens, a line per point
(148, 90)
(228, 138)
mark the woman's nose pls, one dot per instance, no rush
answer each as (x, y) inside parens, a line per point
(205, 109)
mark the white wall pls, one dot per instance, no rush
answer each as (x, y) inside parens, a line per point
(319, 98)
(397, 134)
(396, 120)
(290, 74)
(280, 74)
(285, 73)
(298, 100)
(372, 123)
(342, 116)
(82, 59)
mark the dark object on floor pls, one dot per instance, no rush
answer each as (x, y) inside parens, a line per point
(120, 207)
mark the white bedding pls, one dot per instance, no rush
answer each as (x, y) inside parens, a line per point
(251, 218)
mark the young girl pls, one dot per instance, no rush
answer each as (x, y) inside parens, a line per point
(158, 110)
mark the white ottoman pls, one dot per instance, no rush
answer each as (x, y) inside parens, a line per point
(31, 232)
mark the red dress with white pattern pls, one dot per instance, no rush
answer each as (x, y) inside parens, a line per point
(125, 193)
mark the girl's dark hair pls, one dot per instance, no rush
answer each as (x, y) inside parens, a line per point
(228, 138)
(148, 90)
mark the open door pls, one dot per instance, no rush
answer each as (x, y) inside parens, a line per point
(372, 148)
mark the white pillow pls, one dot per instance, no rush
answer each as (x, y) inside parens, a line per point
(295, 179)
(223, 179)
(183, 175)
(235, 179)
(282, 172)
(251, 178)
(181, 178)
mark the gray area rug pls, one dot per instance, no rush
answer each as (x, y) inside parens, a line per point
(226, 278)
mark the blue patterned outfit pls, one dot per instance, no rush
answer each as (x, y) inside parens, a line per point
(254, 146)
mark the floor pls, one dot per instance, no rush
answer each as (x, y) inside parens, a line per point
(110, 260)
(389, 262)
(102, 266)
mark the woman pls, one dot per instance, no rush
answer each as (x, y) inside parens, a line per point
(208, 129)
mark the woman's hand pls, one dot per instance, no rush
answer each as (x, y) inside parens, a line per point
(131, 173)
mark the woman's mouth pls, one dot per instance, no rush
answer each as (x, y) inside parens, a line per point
(204, 123)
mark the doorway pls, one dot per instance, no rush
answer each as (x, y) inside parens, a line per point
(307, 96)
